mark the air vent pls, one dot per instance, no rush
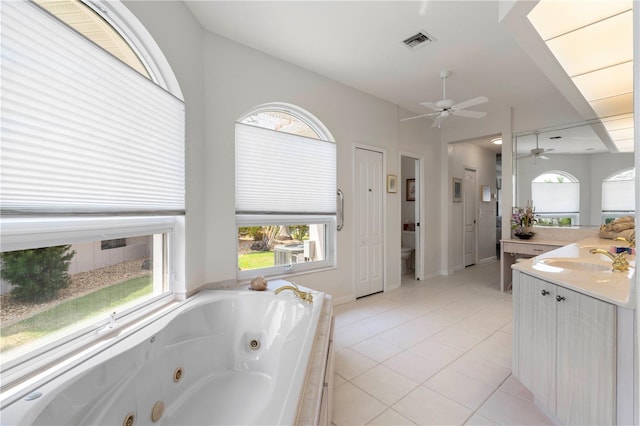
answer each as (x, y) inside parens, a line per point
(418, 40)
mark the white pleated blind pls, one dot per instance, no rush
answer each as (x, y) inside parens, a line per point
(556, 197)
(618, 195)
(281, 173)
(81, 132)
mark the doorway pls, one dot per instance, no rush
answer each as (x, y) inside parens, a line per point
(470, 202)
(411, 213)
(369, 190)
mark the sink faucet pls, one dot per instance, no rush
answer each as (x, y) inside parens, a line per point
(302, 295)
(631, 240)
(619, 264)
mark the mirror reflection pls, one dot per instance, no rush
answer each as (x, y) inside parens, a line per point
(572, 177)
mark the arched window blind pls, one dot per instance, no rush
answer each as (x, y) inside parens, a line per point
(81, 131)
(618, 192)
(283, 173)
(554, 197)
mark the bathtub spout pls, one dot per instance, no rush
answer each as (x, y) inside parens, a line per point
(302, 295)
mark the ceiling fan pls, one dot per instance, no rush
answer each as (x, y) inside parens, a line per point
(537, 152)
(446, 107)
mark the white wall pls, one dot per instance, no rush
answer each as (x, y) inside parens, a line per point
(468, 155)
(222, 80)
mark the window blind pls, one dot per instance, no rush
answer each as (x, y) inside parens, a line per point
(556, 197)
(618, 195)
(81, 131)
(282, 173)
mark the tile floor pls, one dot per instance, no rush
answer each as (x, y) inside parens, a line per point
(433, 352)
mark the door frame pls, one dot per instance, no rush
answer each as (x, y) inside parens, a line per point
(474, 194)
(420, 199)
(354, 239)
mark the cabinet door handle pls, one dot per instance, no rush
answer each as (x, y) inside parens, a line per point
(544, 292)
(560, 298)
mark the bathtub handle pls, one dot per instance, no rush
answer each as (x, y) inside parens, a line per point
(340, 210)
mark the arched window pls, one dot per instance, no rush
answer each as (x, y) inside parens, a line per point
(92, 177)
(556, 197)
(618, 195)
(285, 191)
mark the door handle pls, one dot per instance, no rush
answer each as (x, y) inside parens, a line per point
(544, 292)
(560, 298)
(341, 210)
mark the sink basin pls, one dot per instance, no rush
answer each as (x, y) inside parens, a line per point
(575, 264)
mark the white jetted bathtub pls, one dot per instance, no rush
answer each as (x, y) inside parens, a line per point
(221, 357)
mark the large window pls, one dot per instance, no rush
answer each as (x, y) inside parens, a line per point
(556, 197)
(285, 192)
(619, 195)
(92, 182)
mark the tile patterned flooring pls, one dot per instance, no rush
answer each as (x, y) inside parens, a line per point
(433, 352)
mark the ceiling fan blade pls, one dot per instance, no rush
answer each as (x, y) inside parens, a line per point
(436, 122)
(471, 102)
(524, 156)
(413, 118)
(429, 105)
(470, 114)
(544, 157)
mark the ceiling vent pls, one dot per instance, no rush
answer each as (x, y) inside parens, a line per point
(418, 40)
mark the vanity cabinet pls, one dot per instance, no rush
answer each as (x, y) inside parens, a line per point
(565, 351)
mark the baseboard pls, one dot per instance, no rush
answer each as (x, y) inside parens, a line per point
(342, 300)
(487, 260)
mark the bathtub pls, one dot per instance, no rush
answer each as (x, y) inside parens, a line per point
(221, 357)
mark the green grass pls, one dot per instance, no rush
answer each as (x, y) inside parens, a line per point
(72, 311)
(260, 259)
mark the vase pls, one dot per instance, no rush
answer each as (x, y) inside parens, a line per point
(525, 233)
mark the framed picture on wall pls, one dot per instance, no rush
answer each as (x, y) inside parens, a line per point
(392, 183)
(411, 189)
(457, 190)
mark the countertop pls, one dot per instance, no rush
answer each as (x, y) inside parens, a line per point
(544, 242)
(613, 287)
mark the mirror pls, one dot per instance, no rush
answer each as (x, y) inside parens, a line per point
(575, 156)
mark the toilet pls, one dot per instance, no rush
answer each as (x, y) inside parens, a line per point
(407, 248)
(405, 255)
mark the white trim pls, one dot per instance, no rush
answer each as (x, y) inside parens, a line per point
(422, 197)
(27, 233)
(282, 271)
(300, 113)
(132, 30)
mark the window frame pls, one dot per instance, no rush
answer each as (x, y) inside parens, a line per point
(19, 232)
(330, 220)
(28, 233)
(329, 262)
(570, 179)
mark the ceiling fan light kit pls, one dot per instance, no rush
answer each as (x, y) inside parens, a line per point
(447, 107)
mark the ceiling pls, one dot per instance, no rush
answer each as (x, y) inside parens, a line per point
(359, 43)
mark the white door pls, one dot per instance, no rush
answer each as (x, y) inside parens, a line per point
(368, 213)
(469, 199)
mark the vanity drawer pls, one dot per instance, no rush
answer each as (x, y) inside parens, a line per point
(528, 249)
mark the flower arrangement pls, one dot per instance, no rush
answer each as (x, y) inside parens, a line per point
(523, 218)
